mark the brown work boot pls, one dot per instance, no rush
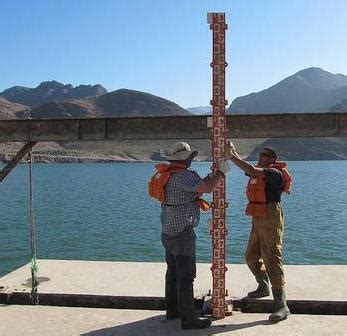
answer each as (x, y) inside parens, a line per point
(280, 309)
(189, 319)
(263, 287)
(196, 323)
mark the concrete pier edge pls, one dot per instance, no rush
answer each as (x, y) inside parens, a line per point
(244, 305)
(139, 286)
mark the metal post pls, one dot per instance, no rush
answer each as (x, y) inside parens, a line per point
(34, 283)
(218, 232)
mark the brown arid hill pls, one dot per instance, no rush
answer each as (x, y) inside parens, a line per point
(299, 149)
(342, 107)
(76, 108)
(150, 150)
(117, 151)
(309, 90)
(51, 91)
(10, 110)
(120, 103)
(131, 103)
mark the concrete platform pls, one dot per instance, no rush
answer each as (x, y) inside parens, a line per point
(141, 286)
(66, 321)
(304, 282)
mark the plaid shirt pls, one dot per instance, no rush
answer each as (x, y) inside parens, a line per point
(180, 209)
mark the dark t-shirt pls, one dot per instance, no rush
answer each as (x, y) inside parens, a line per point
(273, 185)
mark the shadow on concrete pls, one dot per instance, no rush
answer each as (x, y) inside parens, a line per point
(158, 325)
(27, 282)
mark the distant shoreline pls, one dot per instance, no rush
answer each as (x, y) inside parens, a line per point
(74, 160)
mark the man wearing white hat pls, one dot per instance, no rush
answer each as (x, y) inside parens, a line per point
(180, 214)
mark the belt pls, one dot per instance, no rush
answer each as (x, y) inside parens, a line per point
(173, 205)
(276, 202)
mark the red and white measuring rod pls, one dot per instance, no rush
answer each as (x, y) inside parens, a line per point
(218, 130)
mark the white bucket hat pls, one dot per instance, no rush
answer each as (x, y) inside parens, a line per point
(181, 151)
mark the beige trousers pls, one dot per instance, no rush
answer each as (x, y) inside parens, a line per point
(264, 250)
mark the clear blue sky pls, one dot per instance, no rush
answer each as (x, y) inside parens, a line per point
(164, 46)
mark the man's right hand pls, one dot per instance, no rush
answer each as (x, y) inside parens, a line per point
(224, 166)
(230, 149)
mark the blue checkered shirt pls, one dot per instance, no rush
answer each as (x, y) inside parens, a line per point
(180, 209)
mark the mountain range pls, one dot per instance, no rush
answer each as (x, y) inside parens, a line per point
(309, 90)
(119, 103)
(56, 100)
(10, 110)
(200, 109)
(342, 107)
(50, 91)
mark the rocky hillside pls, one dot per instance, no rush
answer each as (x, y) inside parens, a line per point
(200, 109)
(79, 108)
(115, 151)
(309, 90)
(146, 150)
(310, 85)
(342, 107)
(305, 149)
(50, 91)
(120, 103)
(10, 110)
(130, 103)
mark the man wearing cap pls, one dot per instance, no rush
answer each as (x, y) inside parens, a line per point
(180, 213)
(264, 250)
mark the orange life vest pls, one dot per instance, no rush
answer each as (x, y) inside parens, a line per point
(256, 191)
(156, 186)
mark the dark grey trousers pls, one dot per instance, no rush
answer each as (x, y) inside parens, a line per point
(180, 273)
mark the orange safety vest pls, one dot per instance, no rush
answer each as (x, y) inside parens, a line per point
(156, 186)
(256, 191)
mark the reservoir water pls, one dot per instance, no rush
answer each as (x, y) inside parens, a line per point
(102, 212)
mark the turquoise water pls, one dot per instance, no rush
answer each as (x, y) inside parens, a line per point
(102, 212)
